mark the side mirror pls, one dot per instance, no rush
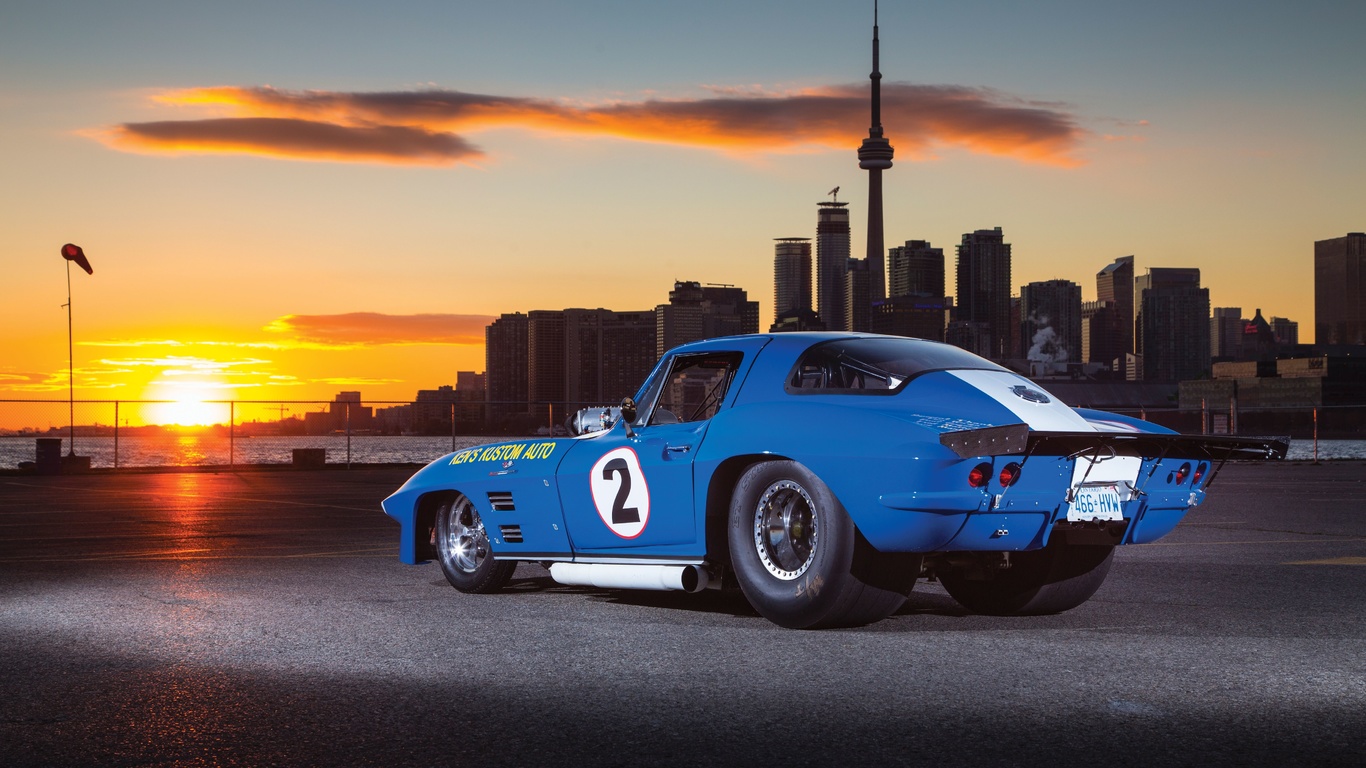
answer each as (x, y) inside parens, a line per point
(628, 415)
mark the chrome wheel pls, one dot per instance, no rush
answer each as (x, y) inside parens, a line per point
(786, 529)
(463, 544)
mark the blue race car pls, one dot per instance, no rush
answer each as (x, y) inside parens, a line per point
(822, 474)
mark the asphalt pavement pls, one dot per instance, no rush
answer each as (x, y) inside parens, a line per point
(262, 618)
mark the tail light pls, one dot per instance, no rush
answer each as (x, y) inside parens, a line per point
(1183, 473)
(1009, 474)
(980, 475)
(1199, 474)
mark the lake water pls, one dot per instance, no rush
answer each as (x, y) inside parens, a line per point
(191, 450)
(194, 450)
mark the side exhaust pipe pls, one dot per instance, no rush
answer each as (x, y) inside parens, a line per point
(680, 578)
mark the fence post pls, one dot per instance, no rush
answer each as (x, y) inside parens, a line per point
(1204, 417)
(452, 426)
(348, 435)
(116, 434)
(232, 418)
(1233, 415)
(1316, 435)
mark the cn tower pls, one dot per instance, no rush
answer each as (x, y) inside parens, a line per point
(874, 155)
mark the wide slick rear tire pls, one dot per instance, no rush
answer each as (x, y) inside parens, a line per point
(800, 560)
(462, 549)
(1054, 579)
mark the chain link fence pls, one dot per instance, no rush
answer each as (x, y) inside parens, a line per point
(229, 433)
(158, 433)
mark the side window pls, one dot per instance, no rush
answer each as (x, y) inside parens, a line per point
(831, 368)
(695, 387)
(835, 374)
(875, 366)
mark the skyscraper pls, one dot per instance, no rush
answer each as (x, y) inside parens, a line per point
(727, 311)
(1287, 331)
(546, 361)
(1115, 283)
(915, 269)
(1340, 290)
(1172, 332)
(505, 366)
(857, 296)
(874, 155)
(832, 262)
(607, 354)
(791, 276)
(984, 288)
(1050, 321)
(564, 358)
(679, 321)
(1099, 343)
(1226, 333)
(915, 305)
(696, 311)
(1259, 341)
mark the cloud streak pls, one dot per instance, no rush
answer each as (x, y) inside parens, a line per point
(372, 328)
(428, 127)
(295, 139)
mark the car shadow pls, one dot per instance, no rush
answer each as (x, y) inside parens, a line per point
(927, 609)
(923, 601)
(728, 602)
(930, 603)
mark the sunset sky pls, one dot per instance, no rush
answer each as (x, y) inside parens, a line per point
(286, 200)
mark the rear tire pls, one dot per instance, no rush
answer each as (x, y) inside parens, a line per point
(1054, 579)
(800, 560)
(462, 549)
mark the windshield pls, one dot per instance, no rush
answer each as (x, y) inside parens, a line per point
(876, 365)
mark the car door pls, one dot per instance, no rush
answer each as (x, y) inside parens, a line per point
(630, 492)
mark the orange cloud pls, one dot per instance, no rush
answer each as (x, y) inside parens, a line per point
(294, 139)
(33, 382)
(419, 126)
(373, 328)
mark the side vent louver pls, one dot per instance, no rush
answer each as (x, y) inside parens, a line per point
(501, 501)
(512, 534)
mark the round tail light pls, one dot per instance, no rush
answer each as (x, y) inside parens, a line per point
(1009, 474)
(980, 475)
(1183, 473)
(1199, 474)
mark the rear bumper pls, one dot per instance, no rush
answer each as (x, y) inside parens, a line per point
(971, 520)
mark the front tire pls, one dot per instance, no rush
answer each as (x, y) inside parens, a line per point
(799, 559)
(1054, 579)
(462, 549)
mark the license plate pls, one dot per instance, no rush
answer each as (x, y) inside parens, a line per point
(1096, 503)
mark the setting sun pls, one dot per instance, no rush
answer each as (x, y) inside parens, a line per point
(188, 413)
(193, 400)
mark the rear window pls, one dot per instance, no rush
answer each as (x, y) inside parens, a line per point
(875, 366)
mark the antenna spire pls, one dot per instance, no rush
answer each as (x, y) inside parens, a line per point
(874, 156)
(875, 130)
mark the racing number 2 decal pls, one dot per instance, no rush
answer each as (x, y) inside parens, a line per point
(620, 493)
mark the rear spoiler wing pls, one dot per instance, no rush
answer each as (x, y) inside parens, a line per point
(1019, 439)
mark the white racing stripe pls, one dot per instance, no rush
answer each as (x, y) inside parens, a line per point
(1052, 416)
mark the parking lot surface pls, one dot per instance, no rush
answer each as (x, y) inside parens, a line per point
(262, 618)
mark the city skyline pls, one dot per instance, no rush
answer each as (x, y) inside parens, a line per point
(441, 190)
